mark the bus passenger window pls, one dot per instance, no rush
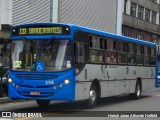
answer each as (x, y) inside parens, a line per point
(96, 55)
(81, 55)
(122, 52)
(105, 44)
(153, 57)
(131, 54)
(102, 44)
(91, 43)
(146, 56)
(111, 44)
(110, 57)
(139, 55)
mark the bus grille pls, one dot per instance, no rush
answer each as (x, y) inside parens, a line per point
(35, 76)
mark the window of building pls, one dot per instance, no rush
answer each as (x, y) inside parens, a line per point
(133, 9)
(147, 15)
(125, 6)
(154, 17)
(139, 34)
(140, 12)
(147, 36)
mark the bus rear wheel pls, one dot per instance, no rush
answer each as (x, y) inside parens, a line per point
(43, 103)
(91, 102)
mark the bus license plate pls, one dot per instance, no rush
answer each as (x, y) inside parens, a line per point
(35, 93)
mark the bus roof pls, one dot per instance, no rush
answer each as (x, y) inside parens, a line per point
(114, 36)
(93, 31)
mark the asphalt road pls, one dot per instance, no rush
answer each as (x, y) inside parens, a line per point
(108, 108)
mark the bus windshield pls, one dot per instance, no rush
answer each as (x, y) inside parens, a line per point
(56, 55)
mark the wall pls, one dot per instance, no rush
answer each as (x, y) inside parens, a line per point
(97, 14)
(6, 11)
(26, 11)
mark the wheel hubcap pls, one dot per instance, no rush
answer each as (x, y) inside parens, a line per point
(92, 96)
(138, 90)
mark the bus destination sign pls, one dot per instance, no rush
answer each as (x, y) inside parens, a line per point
(48, 30)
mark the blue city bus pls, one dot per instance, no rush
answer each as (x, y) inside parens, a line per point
(51, 61)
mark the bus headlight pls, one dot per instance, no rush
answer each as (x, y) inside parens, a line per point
(10, 80)
(66, 81)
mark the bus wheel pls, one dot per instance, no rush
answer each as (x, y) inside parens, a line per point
(137, 93)
(92, 97)
(43, 103)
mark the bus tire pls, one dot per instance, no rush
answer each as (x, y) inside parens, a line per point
(91, 102)
(138, 91)
(43, 103)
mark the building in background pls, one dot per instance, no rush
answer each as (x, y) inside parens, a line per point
(134, 18)
(5, 24)
(101, 14)
(141, 20)
(27, 11)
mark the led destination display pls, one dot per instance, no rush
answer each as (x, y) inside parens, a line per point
(41, 30)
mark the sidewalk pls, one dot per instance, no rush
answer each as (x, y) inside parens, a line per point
(4, 100)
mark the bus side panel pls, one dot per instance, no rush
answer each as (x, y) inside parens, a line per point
(85, 78)
(113, 79)
(132, 76)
